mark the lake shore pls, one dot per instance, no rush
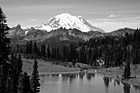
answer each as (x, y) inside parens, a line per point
(46, 67)
(117, 72)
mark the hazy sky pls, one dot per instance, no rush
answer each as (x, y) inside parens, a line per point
(106, 14)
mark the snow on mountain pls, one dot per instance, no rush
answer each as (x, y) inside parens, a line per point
(68, 21)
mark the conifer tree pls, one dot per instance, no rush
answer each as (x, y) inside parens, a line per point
(9, 82)
(48, 52)
(27, 48)
(24, 84)
(4, 51)
(43, 50)
(19, 64)
(127, 72)
(35, 49)
(15, 70)
(4, 41)
(35, 78)
(30, 48)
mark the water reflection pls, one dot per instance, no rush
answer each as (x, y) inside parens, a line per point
(65, 77)
(136, 87)
(106, 81)
(83, 83)
(81, 75)
(126, 87)
(116, 82)
(89, 76)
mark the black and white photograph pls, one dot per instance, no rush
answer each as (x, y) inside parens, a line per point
(69, 46)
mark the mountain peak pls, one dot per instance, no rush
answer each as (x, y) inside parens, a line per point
(64, 14)
(68, 21)
(18, 27)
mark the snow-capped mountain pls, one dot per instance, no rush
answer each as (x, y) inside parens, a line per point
(63, 27)
(68, 21)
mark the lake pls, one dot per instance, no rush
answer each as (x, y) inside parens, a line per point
(83, 83)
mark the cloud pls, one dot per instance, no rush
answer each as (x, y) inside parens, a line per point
(112, 16)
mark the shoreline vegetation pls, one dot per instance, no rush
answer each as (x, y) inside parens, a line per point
(117, 72)
(46, 67)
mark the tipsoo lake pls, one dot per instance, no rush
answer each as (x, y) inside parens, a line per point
(83, 83)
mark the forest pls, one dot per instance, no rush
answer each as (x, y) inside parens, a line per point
(110, 50)
(107, 51)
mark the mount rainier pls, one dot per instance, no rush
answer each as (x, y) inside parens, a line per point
(63, 27)
(68, 21)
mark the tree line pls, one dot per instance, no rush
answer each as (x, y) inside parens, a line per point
(111, 51)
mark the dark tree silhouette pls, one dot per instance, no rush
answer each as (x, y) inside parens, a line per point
(127, 71)
(43, 50)
(4, 51)
(48, 52)
(4, 41)
(24, 84)
(106, 81)
(35, 78)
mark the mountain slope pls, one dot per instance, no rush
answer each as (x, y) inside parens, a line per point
(73, 35)
(68, 21)
(121, 32)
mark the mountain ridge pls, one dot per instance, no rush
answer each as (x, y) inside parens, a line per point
(63, 32)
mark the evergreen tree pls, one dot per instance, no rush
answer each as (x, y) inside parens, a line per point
(19, 64)
(4, 41)
(35, 49)
(27, 48)
(127, 71)
(10, 82)
(35, 78)
(15, 70)
(48, 52)
(4, 52)
(30, 48)
(43, 50)
(24, 84)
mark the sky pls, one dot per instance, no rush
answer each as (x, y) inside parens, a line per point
(109, 15)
